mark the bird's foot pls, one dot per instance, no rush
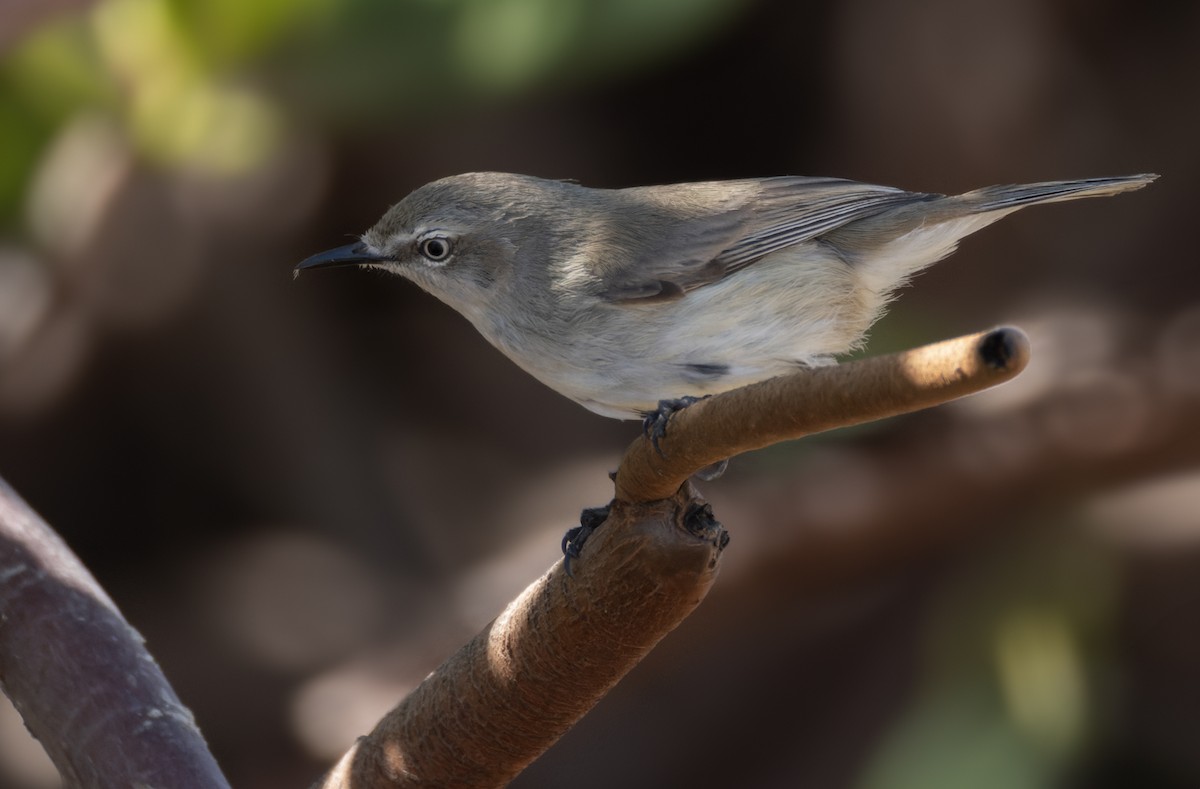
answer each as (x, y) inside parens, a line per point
(572, 543)
(654, 425)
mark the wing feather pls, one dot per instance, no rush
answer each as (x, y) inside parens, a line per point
(704, 235)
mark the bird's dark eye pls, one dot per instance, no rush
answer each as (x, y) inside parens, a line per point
(434, 248)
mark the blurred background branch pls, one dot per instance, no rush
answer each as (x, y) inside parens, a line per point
(80, 675)
(164, 163)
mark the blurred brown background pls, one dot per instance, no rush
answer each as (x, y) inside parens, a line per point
(306, 494)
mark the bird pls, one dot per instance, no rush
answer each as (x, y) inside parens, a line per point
(631, 300)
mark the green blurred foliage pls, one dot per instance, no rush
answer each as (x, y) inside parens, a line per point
(381, 58)
(1017, 686)
(213, 85)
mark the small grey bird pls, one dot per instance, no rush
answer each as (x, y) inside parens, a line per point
(620, 299)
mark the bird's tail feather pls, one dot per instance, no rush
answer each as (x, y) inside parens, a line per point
(1009, 197)
(907, 240)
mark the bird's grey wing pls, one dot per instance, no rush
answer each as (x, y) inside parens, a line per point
(707, 242)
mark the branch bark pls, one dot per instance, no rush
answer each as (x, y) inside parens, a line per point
(79, 674)
(814, 400)
(510, 693)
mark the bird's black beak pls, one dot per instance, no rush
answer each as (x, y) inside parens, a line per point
(349, 255)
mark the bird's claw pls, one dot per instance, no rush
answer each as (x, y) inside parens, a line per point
(572, 543)
(654, 425)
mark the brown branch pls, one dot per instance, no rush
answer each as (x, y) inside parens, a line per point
(80, 675)
(511, 692)
(819, 528)
(504, 698)
(813, 400)
(1095, 425)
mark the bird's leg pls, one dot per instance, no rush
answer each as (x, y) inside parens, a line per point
(572, 543)
(654, 425)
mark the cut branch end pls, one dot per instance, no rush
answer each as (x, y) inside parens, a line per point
(815, 399)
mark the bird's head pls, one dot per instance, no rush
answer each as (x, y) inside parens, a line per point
(460, 238)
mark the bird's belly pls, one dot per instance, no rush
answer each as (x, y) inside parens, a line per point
(767, 320)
